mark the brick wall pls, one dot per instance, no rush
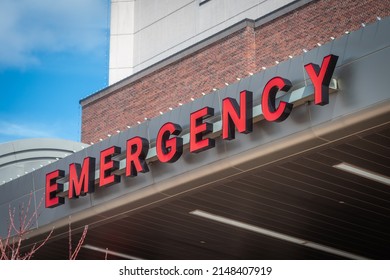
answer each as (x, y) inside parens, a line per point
(312, 24)
(236, 55)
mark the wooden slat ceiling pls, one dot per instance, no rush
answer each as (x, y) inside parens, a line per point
(304, 197)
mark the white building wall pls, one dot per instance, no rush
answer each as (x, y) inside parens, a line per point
(144, 32)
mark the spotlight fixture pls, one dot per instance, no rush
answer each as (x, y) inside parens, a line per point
(109, 252)
(363, 172)
(274, 234)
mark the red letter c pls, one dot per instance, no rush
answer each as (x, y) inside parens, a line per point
(270, 112)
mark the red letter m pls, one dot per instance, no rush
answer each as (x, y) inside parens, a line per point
(81, 179)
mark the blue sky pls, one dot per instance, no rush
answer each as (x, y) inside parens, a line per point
(52, 54)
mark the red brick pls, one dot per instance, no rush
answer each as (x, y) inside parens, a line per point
(234, 56)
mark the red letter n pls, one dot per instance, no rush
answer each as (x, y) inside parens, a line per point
(237, 116)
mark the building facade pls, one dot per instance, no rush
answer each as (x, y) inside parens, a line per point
(265, 139)
(246, 46)
(145, 32)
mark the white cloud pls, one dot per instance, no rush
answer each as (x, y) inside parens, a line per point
(15, 130)
(29, 27)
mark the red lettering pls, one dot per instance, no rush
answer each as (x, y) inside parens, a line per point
(169, 149)
(108, 165)
(136, 150)
(52, 188)
(198, 129)
(321, 77)
(237, 116)
(169, 146)
(81, 179)
(270, 112)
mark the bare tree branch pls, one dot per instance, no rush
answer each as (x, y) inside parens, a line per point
(73, 255)
(11, 245)
(81, 241)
